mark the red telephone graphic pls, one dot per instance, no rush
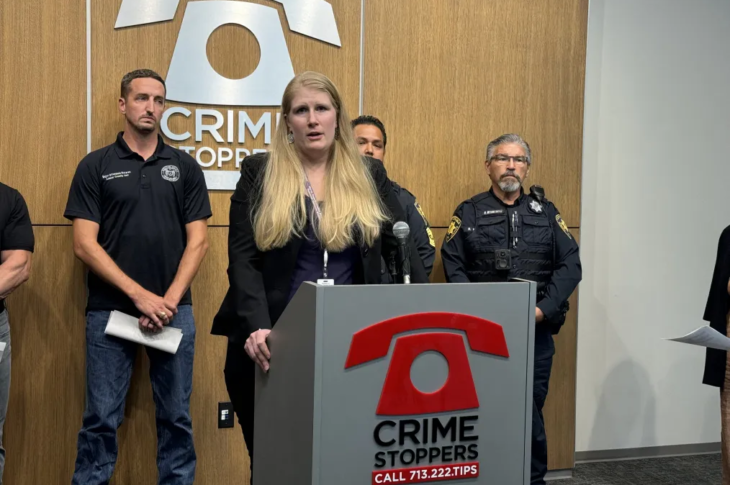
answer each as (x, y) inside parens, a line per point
(400, 397)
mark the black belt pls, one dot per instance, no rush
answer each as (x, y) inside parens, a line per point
(2, 306)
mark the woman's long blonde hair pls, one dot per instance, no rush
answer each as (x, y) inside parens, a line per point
(352, 205)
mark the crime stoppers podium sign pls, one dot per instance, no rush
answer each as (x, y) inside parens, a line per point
(412, 447)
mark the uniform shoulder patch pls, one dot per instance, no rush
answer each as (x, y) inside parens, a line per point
(563, 226)
(431, 241)
(420, 211)
(454, 227)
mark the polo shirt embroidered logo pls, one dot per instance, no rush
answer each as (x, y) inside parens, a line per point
(170, 173)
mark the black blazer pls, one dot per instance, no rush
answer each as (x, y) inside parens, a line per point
(716, 311)
(259, 282)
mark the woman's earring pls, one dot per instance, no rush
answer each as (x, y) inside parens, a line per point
(290, 137)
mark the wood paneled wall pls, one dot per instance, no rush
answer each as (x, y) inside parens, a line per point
(42, 101)
(448, 76)
(444, 76)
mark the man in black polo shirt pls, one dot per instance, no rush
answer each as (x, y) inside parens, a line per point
(16, 246)
(139, 211)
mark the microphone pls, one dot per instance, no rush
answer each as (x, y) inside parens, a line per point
(401, 232)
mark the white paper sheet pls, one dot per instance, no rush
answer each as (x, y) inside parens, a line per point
(705, 337)
(127, 327)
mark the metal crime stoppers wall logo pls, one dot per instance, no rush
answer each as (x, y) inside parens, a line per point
(191, 78)
(399, 396)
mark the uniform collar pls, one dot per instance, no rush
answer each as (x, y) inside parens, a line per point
(520, 199)
(123, 150)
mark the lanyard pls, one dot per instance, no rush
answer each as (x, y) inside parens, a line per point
(318, 213)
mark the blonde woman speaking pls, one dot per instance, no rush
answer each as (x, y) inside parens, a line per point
(309, 209)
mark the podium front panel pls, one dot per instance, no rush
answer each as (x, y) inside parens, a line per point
(369, 431)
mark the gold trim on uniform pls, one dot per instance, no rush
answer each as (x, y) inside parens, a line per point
(563, 226)
(453, 228)
(428, 227)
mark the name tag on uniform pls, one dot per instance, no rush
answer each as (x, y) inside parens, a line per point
(326, 282)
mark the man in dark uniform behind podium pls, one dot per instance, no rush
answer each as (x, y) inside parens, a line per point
(371, 140)
(504, 233)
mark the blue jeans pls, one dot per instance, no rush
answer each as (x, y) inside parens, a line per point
(4, 383)
(109, 362)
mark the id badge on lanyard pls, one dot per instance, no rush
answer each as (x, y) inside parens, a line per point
(324, 280)
(318, 212)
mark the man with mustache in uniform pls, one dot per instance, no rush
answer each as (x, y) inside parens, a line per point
(503, 234)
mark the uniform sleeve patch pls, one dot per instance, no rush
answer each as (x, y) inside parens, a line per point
(428, 227)
(454, 227)
(420, 211)
(430, 237)
(563, 226)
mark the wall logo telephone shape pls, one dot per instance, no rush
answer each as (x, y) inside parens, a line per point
(191, 78)
(399, 396)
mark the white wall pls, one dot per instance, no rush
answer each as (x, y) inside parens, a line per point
(656, 171)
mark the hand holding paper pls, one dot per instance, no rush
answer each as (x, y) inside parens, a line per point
(127, 327)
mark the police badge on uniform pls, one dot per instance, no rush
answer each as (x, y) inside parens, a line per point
(453, 228)
(536, 207)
